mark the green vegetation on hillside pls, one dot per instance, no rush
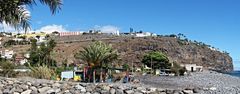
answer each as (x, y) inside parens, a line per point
(156, 60)
(41, 55)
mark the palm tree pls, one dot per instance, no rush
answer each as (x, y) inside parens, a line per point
(15, 13)
(97, 55)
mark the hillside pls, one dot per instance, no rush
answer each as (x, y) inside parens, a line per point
(132, 49)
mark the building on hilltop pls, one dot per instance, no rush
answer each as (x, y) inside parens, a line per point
(70, 33)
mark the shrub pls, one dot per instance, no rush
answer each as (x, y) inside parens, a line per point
(42, 72)
(177, 69)
(8, 69)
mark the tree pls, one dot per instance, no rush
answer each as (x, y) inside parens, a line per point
(156, 60)
(97, 55)
(42, 55)
(15, 13)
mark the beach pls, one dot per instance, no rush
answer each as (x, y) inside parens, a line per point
(208, 82)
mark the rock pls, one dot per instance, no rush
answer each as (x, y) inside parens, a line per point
(43, 90)
(213, 88)
(162, 93)
(18, 90)
(44, 85)
(88, 93)
(136, 81)
(112, 91)
(89, 89)
(141, 88)
(152, 89)
(83, 90)
(57, 85)
(119, 91)
(12, 90)
(6, 91)
(188, 91)
(143, 91)
(120, 87)
(137, 93)
(78, 87)
(29, 84)
(106, 87)
(129, 91)
(168, 91)
(67, 91)
(14, 93)
(84, 84)
(33, 88)
(72, 90)
(24, 87)
(51, 91)
(10, 82)
(104, 92)
(96, 93)
(197, 90)
(27, 92)
(58, 90)
(36, 84)
(160, 90)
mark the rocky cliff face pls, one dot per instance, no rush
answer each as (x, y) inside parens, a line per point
(183, 52)
(132, 49)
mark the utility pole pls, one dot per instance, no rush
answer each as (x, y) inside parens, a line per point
(132, 66)
(151, 66)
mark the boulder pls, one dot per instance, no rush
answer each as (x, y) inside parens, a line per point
(213, 88)
(6, 91)
(119, 91)
(197, 90)
(57, 85)
(188, 91)
(106, 87)
(43, 90)
(112, 91)
(24, 87)
(27, 92)
(129, 91)
(51, 91)
(14, 93)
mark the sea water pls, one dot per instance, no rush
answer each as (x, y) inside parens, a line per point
(235, 73)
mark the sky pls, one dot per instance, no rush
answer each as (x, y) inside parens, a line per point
(214, 22)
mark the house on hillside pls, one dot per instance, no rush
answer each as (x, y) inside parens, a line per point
(8, 54)
(192, 67)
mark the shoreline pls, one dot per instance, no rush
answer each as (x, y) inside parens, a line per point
(206, 82)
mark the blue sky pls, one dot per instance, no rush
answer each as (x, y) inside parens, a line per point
(215, 22)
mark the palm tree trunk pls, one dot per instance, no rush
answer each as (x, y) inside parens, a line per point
(94, 76)
(101, 76)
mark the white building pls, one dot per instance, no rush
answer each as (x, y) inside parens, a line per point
(70, 33)
(192, 67)
(41, 39)
(144, 34)
(8, 54)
